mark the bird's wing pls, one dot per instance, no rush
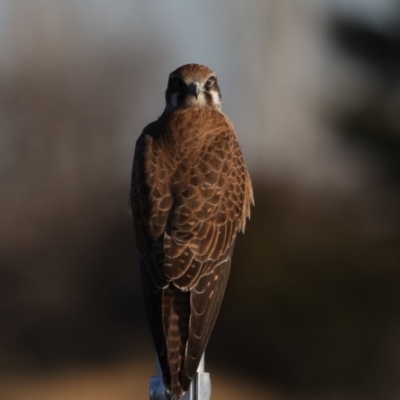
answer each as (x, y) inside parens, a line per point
(200, 235)
(151, 204)
(150, 210)
(206, 214)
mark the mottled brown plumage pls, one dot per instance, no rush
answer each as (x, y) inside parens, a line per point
(190, 195)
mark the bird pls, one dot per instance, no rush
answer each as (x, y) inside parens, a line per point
(190, 195)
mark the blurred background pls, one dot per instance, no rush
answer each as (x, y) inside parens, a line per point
(312, 309)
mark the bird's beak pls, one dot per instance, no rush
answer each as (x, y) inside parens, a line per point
(195, 89)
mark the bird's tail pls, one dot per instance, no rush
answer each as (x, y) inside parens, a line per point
(176, 314)
(176, 392)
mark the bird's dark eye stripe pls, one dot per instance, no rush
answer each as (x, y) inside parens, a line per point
(177, 82)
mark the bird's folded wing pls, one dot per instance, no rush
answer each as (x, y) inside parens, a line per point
(205, 216)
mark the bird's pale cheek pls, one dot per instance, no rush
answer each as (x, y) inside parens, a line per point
(216, 99)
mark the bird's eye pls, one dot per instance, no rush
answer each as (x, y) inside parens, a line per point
(177, 83)
(210, 82)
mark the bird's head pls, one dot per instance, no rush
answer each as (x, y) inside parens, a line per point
(192, 86)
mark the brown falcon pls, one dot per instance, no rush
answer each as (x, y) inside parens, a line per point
(190, 195)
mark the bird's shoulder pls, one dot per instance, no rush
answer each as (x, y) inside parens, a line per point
(180, 133)
(152, 129)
